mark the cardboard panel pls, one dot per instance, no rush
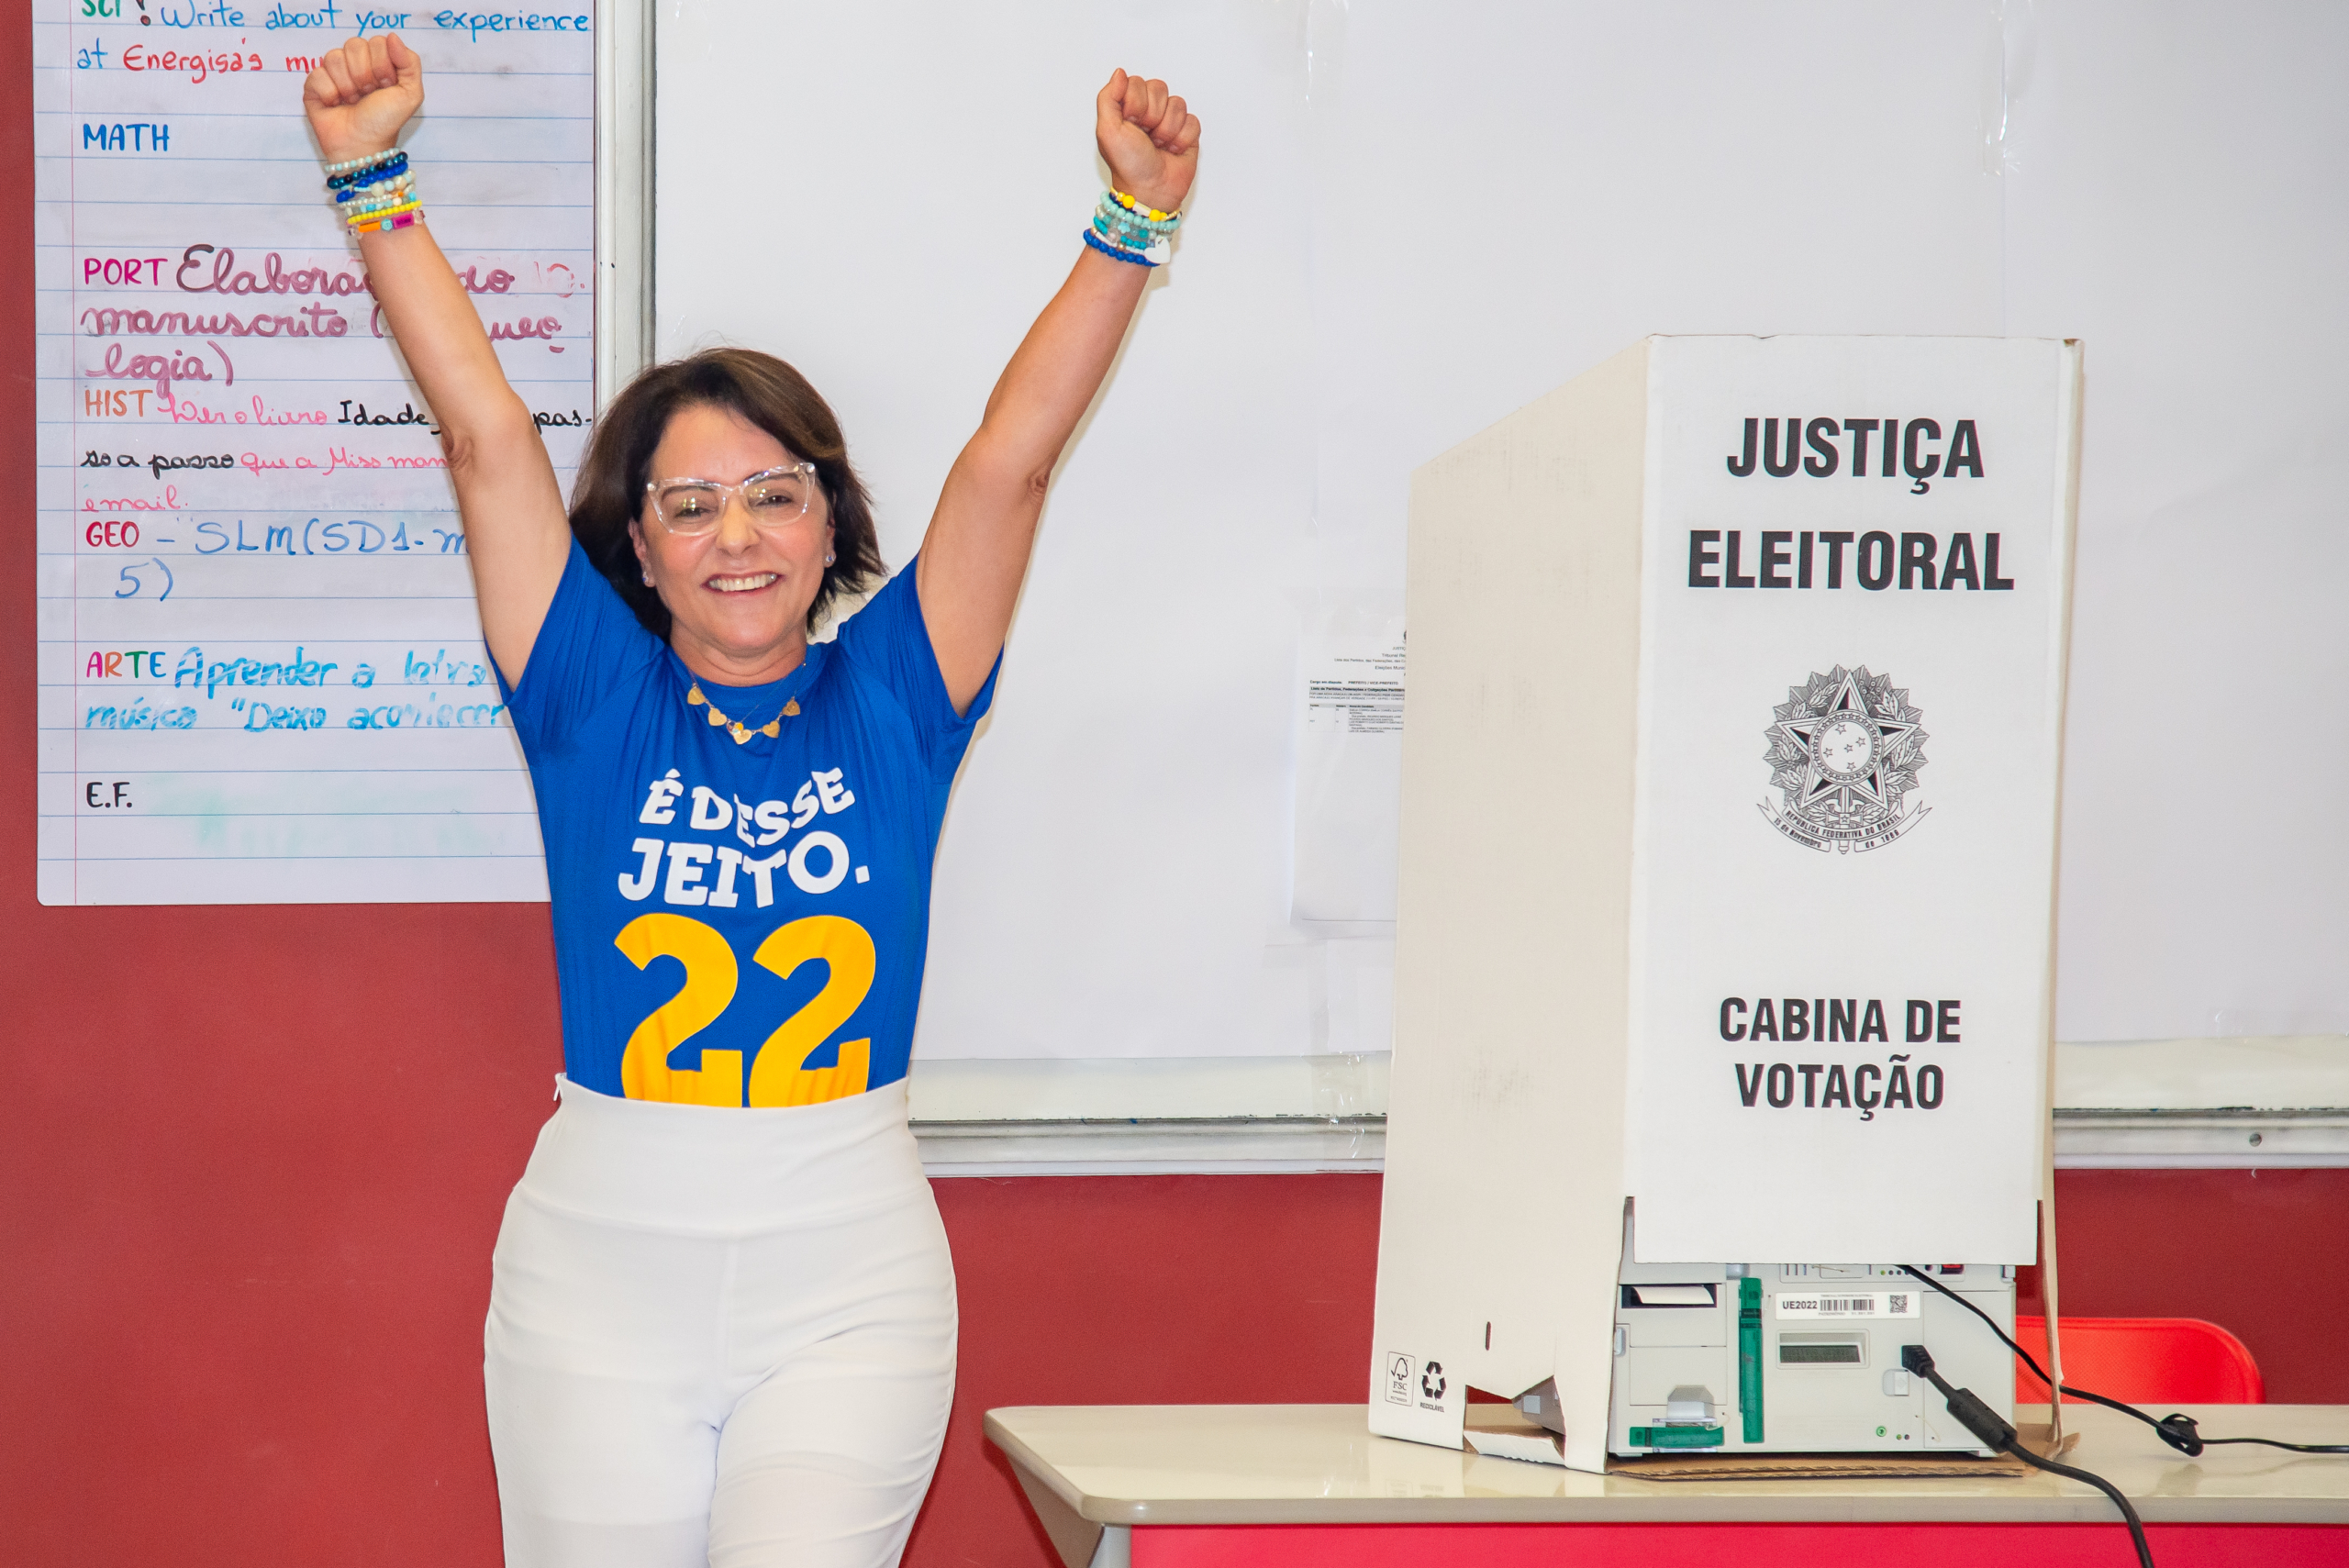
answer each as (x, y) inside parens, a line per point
(1503, 1198)
(1847, 794)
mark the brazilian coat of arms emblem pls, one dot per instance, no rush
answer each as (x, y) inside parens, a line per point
(1844, 751)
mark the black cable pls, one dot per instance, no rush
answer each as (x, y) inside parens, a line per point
(2176, 1429)
(2129, 1514)
(2164, 1425)
(1994, 1431)
(2037, 1371)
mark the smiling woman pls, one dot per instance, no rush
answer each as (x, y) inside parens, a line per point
(722, 1319)
(725, 414)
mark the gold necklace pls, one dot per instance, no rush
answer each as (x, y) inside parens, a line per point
(741, 732)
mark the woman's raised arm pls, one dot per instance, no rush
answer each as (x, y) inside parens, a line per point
(977, 547)
(515, 532)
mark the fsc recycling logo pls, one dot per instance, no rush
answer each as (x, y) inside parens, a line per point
(1844, 751)
(1432, 1382)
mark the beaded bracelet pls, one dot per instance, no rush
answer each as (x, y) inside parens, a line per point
(376, 215)
(379, 198)
(359, 220)
(365, 177)
(1164, 221)
(386, 204)
(401, 220)
(1132, 234)
(1115, 213)
(375, 193)
(1114, 252)
(355, 170)
(368, 179)
(1129, 231)
(1130, 247)
(404, 183)
(1113, 222)
(385, 191)
(1127, 246)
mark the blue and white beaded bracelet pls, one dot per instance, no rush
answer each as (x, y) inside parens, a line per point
(1129, 230)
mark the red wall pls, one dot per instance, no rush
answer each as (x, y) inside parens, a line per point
(251, 1160)
(248, 1258)
(1244, 1289)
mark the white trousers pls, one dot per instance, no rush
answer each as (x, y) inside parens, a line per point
(721, 1337)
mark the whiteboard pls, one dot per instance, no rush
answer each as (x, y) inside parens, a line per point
(262, 678)
(1412, 219)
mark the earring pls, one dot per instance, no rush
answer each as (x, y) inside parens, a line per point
(648, 579)
(831, 556)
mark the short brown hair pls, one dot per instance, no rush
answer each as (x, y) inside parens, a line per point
(609, 493)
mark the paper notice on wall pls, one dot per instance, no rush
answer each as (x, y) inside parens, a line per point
(1349, 771)
(262, 677)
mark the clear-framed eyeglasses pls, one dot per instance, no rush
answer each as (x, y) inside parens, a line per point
(774, 499)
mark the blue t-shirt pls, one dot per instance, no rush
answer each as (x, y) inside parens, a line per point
(737, 924)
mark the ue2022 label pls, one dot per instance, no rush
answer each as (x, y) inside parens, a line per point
(1844, 751)
(779, 1073)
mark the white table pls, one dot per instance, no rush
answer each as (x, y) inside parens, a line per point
(1103, 1478)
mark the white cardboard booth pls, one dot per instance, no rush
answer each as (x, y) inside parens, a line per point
(1726, 881)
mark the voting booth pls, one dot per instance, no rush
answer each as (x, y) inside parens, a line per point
(1726, 873)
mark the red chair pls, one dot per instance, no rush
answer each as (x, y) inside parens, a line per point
(2144, 1360)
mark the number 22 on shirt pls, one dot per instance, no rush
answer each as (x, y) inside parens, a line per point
(779, 1073)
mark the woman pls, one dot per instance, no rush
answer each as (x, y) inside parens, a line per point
(721, 1324)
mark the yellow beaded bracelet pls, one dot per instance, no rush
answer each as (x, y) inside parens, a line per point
(1142, 209)
(371, 219)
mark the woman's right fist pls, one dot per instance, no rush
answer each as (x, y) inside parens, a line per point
(360, 96)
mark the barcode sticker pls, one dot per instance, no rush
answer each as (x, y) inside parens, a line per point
(1866, 1304)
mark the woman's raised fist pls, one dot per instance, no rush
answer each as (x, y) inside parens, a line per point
(1149, 139)
(360, 96)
